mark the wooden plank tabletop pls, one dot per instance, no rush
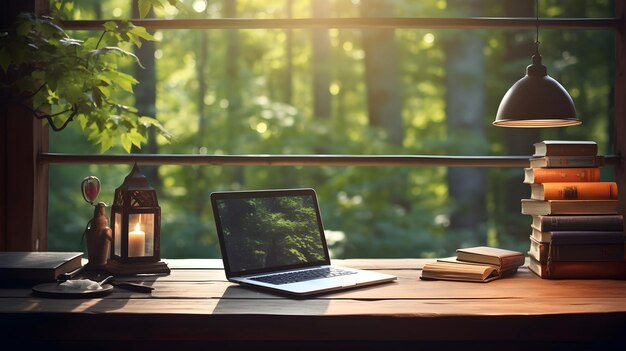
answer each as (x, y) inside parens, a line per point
(195, 302)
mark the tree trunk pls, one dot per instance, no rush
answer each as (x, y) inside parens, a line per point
(202, 66)
(232, 86)
(465, 100)
(232, 59)
(382, 77)
(288, 82)
(321, 62)
(145, 97)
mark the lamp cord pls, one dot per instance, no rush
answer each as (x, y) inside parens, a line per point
(537, 27)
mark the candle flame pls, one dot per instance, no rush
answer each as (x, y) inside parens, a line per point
(137, 227)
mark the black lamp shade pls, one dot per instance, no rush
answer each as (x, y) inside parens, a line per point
(536, 101)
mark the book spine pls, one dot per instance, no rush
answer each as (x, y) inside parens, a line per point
(575, 191)
(508, 262)
(586, 238)
(580, 270)
(597, 252)
(581, 222)
(569, 207)
(566, 149)
(550, 175)
(544, 252)
(567, 161)
(580, 207)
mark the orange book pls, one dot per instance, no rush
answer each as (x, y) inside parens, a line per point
(574, 191)
(552, 175)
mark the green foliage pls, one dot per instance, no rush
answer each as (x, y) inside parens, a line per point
(146, 5)
(61, 79)
(371, 211)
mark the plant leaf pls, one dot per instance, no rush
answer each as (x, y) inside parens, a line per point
(144, 8)
(153, 122)
(110, 26)
(136, 138)
(126, 142)
(106, 142)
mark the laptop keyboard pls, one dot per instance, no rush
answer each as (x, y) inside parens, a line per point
(300, 276)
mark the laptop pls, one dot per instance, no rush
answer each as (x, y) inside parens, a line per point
(274, 239)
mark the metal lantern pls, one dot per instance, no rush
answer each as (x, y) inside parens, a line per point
(136, 222)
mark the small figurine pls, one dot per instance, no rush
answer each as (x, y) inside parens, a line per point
(98, 233)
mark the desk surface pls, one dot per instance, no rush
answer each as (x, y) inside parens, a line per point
(195, 303)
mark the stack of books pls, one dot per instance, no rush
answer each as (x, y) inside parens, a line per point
(475, 264)
(576, 231)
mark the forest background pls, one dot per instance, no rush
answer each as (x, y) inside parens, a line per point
(375, 91)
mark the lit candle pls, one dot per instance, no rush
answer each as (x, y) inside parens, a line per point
(136, 242)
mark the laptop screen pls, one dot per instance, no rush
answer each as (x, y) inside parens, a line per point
(263, 231)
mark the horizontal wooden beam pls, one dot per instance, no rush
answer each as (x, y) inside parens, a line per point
(297, 160)
(382, 22)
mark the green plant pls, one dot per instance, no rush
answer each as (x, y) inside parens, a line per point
(61, 79)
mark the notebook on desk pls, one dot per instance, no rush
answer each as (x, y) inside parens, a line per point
(274, 239)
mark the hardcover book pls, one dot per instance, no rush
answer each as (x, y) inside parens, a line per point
(505, 259)
(550, 175)
(546, 252)
(578, 269)
(566, 161)
(578, 236)
(579, 222)
(36, 267)
(566, 148)
(574, 191)
(568, 207)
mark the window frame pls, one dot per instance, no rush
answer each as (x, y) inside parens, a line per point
(38, 158)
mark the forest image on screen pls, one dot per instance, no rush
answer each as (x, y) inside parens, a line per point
(270, 232)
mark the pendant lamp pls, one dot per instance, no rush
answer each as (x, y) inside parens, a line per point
(536, 100)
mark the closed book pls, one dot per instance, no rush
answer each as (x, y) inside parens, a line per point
(503, 258)
(574, 191)
(544, 252)
(578, 236)
(541, 236)
(586, 237)
(578, 269)
(36, 267)
(568, 207)
(550, 175)
(566, 161)
(579, 222)
(566, 148)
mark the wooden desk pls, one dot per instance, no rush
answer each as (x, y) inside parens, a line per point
(196, 307)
